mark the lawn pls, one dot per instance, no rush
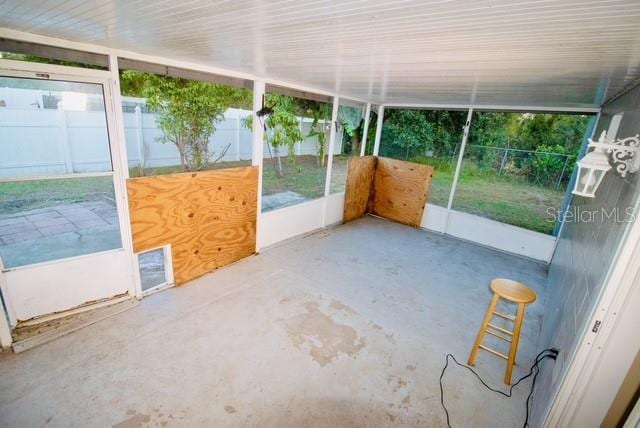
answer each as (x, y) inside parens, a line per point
(502, 198)
(20, 196)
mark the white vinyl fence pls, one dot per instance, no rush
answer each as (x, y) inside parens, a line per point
(36, 141)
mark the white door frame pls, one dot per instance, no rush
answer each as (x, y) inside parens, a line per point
(115, 131)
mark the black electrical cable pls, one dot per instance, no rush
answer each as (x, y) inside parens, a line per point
(547, 353)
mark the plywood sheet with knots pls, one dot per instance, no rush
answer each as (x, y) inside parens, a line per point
(400, 190)
(208, 217)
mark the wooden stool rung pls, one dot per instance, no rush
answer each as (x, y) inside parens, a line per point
(503, 330)
(494, 352)
(507, 317)
(499, 336)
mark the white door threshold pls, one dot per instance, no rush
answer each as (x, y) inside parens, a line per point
(32, 335)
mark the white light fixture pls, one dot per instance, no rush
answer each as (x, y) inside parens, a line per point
(595, 164)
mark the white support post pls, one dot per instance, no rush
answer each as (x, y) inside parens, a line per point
(365, 130)
(257, 147)
(332, 144)
(121, 171)
(5, 328)
(238, 135)
(376, 146)
(64, 139)
(139, 136)
(456, 176)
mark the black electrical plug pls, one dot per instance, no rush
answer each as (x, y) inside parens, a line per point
(553, 353)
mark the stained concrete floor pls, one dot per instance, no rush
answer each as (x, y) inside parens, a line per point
(345, 327)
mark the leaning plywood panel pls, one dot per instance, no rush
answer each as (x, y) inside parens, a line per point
(400, 190)
(208, 217)
(360, 172)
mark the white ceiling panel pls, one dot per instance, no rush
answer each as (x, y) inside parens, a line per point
(552, 53)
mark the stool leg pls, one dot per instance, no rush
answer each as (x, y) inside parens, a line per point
(514, 343)
(483, 329)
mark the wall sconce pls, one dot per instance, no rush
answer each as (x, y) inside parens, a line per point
(595, 164)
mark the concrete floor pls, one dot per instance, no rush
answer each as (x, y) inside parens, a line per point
(345, 327)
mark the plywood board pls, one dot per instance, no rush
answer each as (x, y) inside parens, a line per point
(400, 190)
(360, 172)
(208, 217)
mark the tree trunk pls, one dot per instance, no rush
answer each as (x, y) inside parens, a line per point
(181, 150)
(279, 172)
(355, 144)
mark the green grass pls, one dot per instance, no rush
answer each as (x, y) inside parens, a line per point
(304, 176)
(19, 196)
(503, 198)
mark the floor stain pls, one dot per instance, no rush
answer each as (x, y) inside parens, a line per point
(396, 382)
(135, 421)
(325, 338)
(410, 368)
(338, 305)
(229, 409)
(406, 402)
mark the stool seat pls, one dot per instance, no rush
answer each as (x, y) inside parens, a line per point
(512, 290)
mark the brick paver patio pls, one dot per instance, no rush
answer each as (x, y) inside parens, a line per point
(80, 218)
(58, 232)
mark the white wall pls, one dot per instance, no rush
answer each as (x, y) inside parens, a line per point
(72, 282)
(285, 223)
(491, 233)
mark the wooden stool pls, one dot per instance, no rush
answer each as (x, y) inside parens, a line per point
(514, 292)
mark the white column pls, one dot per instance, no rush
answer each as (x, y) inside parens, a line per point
(365, 130)
(139, 136)
(115, 121)
(64, 139)
(257, 147)
(237, 134)
(376, 146)
(456, 176)
(5, 327)
(332, 143)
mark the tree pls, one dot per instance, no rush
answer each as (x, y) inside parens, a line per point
(282, 127)
(186, 112)
(350, 119)
(319, 127)
(405, 133)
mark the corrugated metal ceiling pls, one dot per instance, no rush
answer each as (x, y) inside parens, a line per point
(538, 53)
